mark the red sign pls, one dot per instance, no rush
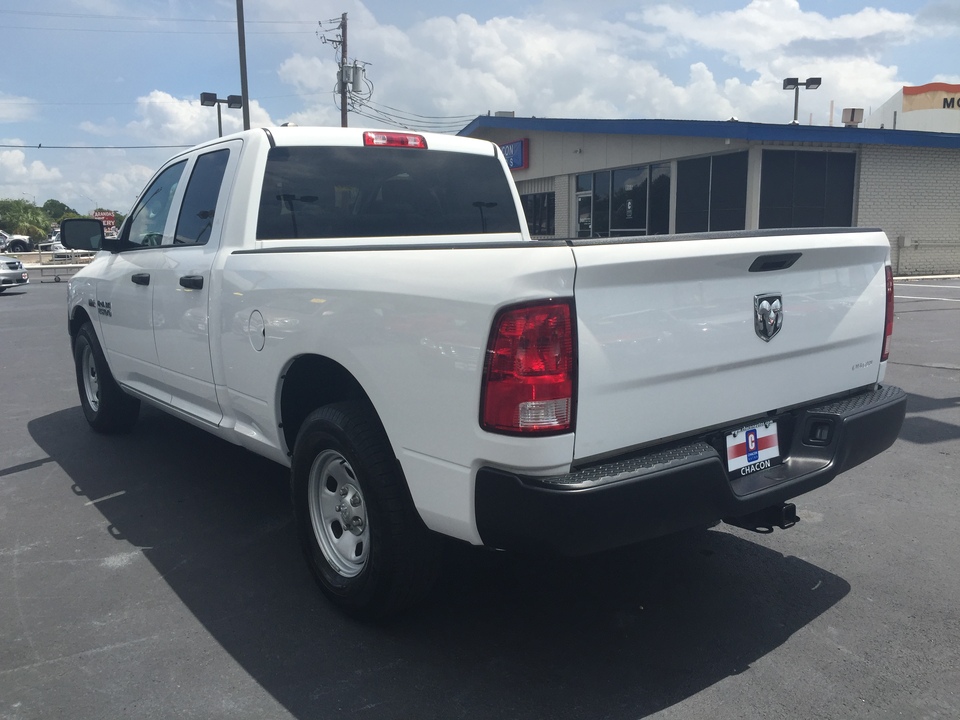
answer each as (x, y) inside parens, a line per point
(106, 217)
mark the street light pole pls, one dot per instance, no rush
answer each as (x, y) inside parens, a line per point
(211, 99)
(794, 84)
(241, 38)
(343, 70)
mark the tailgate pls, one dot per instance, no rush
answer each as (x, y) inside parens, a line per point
(667, 339)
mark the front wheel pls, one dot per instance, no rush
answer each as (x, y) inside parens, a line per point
(107, 408)
(364, 541)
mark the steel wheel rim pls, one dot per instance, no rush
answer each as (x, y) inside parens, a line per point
(338, 513)
(91, 382)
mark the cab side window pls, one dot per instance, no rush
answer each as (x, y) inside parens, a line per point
(200, 199)
(148, 219)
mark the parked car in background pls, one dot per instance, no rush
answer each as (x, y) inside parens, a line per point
(50, 244)
(12, 273)
(61, 253)
(14, 243)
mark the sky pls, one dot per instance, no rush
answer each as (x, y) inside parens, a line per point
(96, 94)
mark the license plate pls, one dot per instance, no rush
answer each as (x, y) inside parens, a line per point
(752, 449)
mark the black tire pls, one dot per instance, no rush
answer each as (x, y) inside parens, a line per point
(367, 547)
(17, 246)
(107, 408)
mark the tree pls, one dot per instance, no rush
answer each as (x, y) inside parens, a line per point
(57, 211)
(20, 217)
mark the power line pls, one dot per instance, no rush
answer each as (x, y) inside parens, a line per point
(364, 107)
(160, 32)
(41, 146)
(449, 118)
(95, 104)
(142, 18)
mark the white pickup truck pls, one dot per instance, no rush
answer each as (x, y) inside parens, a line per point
(368, 309)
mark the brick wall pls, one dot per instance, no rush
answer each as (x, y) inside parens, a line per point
(562, 211)
(560, 186)
(914, 193)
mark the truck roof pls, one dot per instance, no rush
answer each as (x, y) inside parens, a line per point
(290, 135)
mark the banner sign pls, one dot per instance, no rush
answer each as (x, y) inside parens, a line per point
(517, 154)
(106, 217)
(932, 96)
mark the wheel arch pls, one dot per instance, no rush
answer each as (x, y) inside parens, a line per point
(78, 318)
(310, 382)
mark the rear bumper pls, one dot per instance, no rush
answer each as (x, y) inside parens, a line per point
(683, 486)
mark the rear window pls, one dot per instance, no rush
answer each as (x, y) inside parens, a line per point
(350, 192)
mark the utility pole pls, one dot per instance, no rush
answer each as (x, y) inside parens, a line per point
(352, 84)
(343, 70)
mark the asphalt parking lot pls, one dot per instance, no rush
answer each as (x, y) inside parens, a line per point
(156, 576)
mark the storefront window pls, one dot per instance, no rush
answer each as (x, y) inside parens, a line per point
(584, 216)
(623, 202)
(807, 189)
(539, 209)
(658, 220)
(629, 206)
(601, 204)
(728, 192)
(712, 193)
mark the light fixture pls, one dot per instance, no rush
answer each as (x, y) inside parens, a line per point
(794, 84)
(231, 101)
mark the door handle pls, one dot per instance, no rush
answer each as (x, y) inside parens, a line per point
(141, 278)
(192, 282)
(768, 263)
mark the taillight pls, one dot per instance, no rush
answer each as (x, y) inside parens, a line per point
(529, 376)
(394, 139)
(888, 322)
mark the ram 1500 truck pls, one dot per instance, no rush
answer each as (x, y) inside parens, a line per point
(369, 309)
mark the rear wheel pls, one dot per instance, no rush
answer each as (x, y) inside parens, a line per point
(107, 408)
(363, 539)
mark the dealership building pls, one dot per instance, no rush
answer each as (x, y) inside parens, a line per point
(607, 178)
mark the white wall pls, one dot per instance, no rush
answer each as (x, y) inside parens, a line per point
(891, 116)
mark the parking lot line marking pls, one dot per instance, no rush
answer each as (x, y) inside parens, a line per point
(912, 285)
(915, 297)
(106, 497)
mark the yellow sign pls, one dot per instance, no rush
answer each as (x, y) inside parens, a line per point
(932, 96)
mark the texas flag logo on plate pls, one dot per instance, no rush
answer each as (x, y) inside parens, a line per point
(752, 448)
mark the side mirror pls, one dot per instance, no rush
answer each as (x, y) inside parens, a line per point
(84, 234)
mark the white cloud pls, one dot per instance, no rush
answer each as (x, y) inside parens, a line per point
(753, 33)
(15, 108)
(566, 65)
(15, 170)
(166, 120)
(163, 119)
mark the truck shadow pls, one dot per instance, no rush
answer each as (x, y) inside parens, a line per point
(920, 429)
(621, 635)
